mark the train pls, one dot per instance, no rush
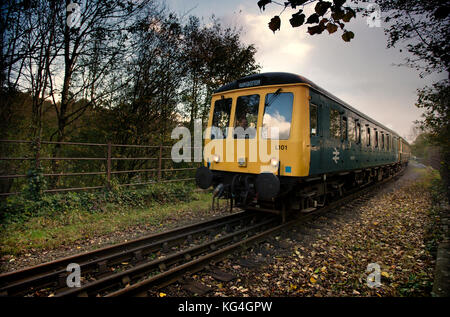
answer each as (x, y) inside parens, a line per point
(323, 146)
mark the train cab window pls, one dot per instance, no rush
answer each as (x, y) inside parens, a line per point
(368, 138)
(277, 115)
(221, 118)
(335, 124)
(313, 119)
(246, 117)
(344, 128)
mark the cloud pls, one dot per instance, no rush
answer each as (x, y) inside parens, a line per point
(276, 52)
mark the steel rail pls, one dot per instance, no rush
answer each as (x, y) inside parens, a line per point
(14, 282)
(140, 271)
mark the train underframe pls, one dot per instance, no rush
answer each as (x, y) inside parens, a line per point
(296, 194)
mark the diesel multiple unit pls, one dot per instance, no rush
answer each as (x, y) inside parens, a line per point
(323, 146)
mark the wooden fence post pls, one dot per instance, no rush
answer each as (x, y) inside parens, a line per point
(108, 166)
(160, 162)
(38, 153)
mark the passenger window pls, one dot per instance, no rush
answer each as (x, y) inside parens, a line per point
(388, 141)
(246, 117)
(382, 140)
(376, 139)
(368, 137)
(313, 119)
(277, 115)
(351, 130)
(335, 124)
(221, 118)
(344, 128)
(358, 133)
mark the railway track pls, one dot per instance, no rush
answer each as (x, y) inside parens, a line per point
(107, 260)
(155, 261)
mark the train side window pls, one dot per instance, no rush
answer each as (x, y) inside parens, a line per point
(388, 142)
(368, 138)
(277, 115)
(358, 133)
(335, 124)
(246, 117)
(351, 129)
(313, 120)
(376, 139)
(344, 128)
(382, 141)
(221, 118)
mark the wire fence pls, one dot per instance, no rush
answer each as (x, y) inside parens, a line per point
(87, 166)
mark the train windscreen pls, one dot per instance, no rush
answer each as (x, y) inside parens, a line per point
(277, 116)
(246, 117)
(221, 118)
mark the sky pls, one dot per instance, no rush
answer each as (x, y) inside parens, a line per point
(362, 72)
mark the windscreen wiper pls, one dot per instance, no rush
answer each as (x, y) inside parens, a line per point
(274, 97)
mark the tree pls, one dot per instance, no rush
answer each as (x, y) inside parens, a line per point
(214, 56)
(435, 101)
(148, 111)
(423, 28)
(13, 26)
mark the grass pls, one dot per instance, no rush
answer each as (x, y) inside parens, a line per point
(66, 228)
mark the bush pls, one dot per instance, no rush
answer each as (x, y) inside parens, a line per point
(19, 208)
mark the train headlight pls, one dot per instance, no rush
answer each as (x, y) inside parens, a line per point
(274, 162)
(216, 158)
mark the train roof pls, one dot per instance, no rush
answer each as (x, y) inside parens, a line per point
(280, 78)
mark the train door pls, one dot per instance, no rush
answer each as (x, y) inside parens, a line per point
(333, 152)
(345, 143)
(315, 138)
(316, 125)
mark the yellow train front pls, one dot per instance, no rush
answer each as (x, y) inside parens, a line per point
(277, 141)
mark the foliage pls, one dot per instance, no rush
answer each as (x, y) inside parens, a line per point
(214, 55)
(21, 207)
(36, 184)
(83, 230)
(422, 27)
(327, 15)
(435, 101)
